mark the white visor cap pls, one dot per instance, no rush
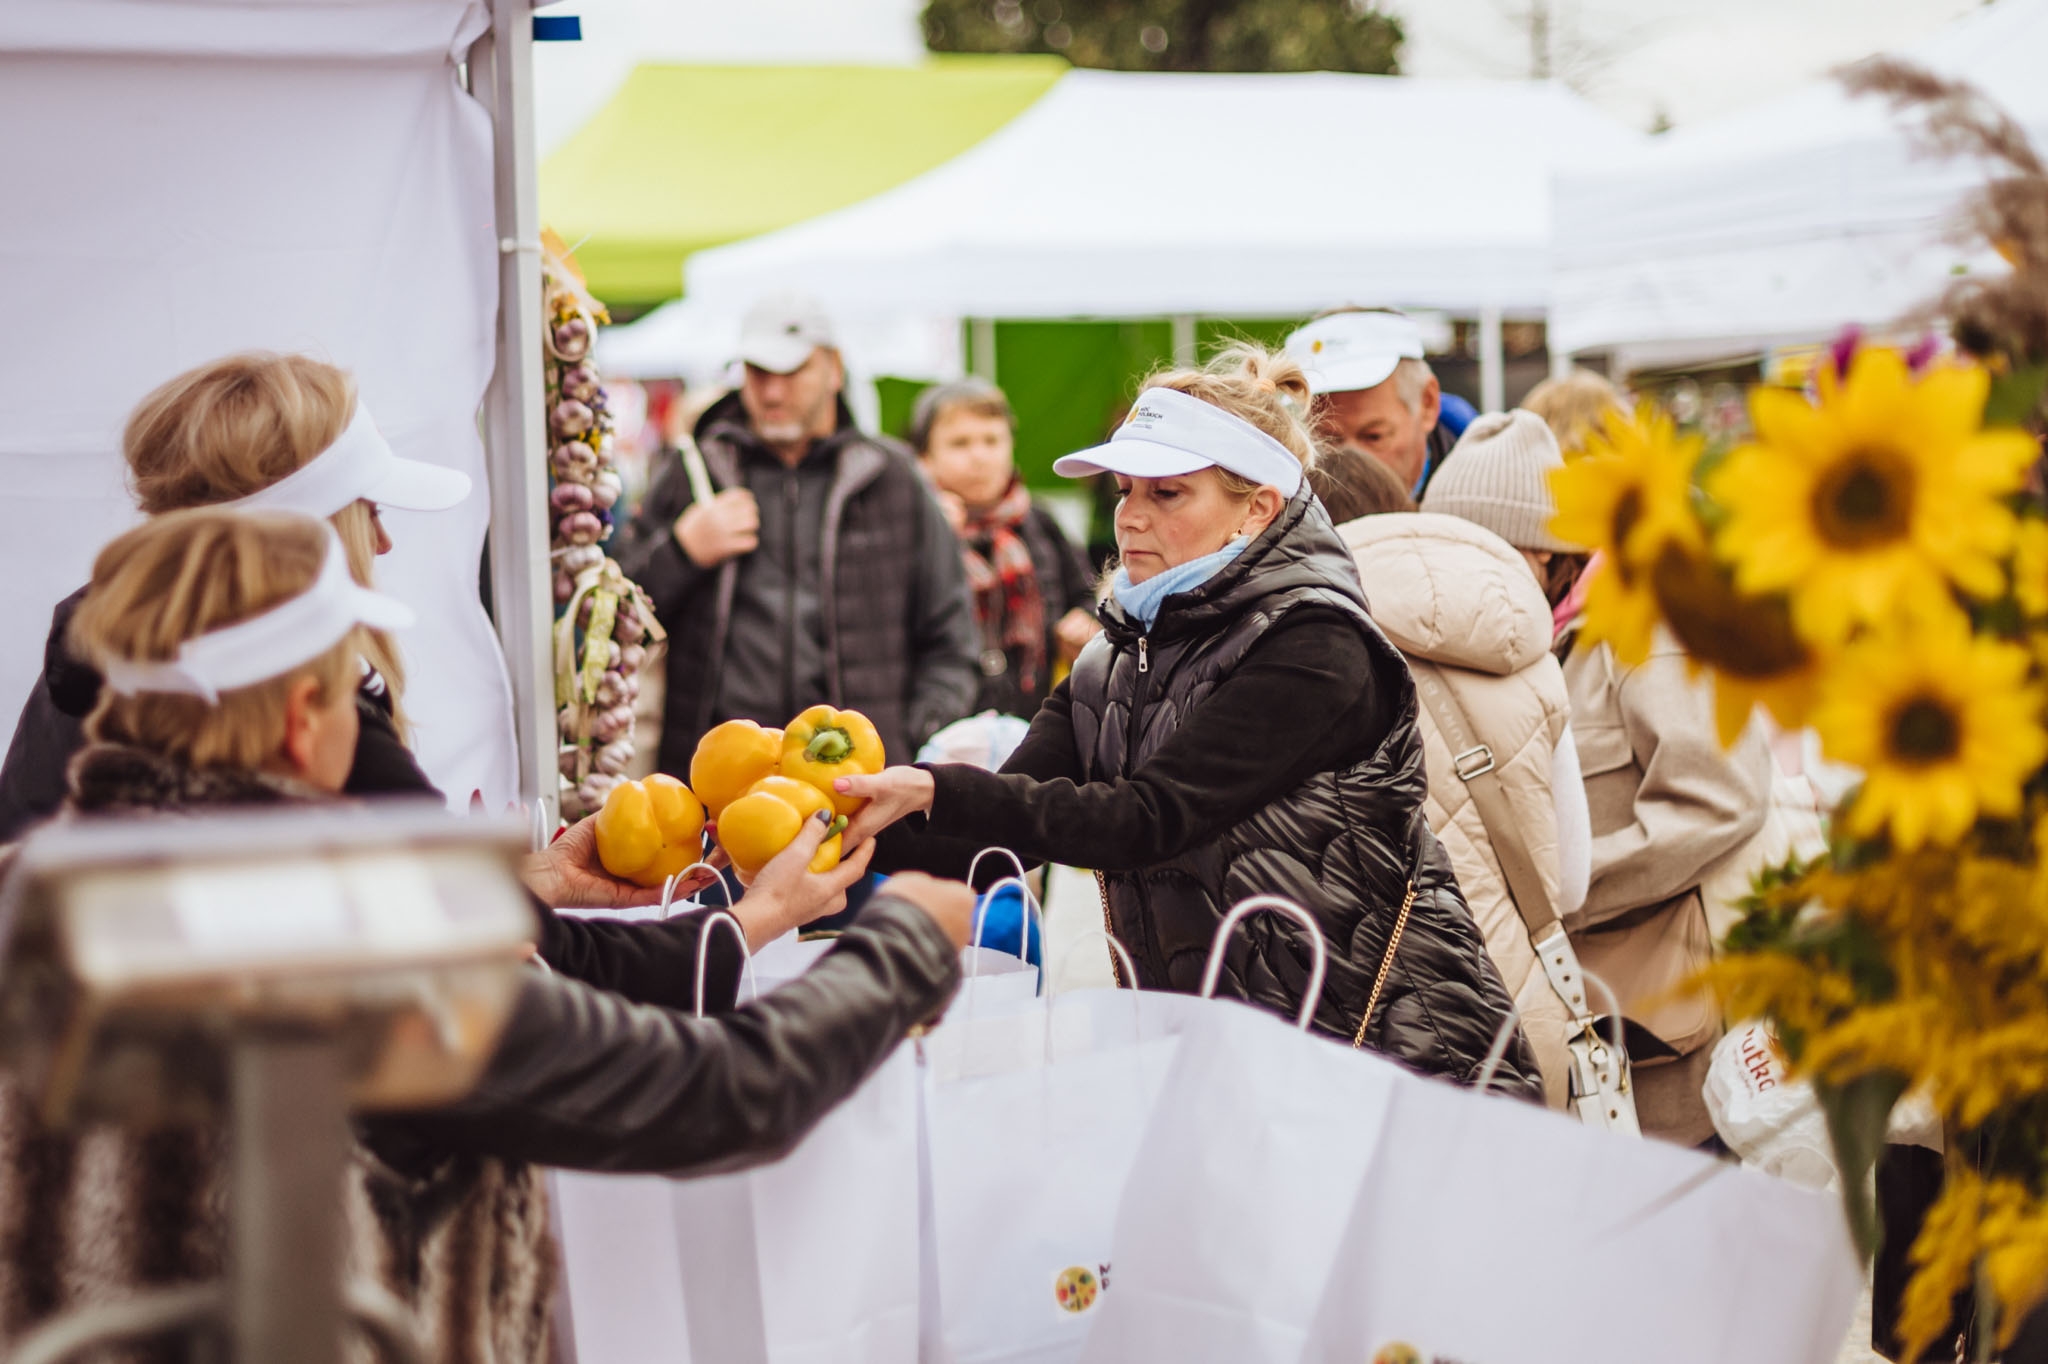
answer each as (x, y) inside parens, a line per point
(295, 631)
(360, 465)
(1169, 433)
(1345, 352)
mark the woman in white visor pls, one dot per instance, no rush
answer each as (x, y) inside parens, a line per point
(256, 431)
(230, 645)
(1241, 727)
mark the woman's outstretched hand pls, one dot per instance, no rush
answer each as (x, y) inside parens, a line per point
(568, 875)
(890, 794)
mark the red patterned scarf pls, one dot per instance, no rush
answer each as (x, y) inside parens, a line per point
(1005, 585)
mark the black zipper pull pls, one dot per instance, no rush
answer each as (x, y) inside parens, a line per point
(1144, 657)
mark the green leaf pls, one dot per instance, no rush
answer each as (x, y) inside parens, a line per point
(2015, 394)
(1857, 1114)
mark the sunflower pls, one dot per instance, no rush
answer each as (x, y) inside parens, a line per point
(1628, 497)
(1945, 726)
(1875, 500)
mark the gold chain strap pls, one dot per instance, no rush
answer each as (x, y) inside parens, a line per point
(1386, 965)
(1116, 972)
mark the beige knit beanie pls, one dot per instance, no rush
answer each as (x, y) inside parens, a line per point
(1498, 476)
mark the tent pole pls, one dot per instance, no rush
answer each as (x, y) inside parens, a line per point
(1184, 341)
(1492, 367)
(501, 77)
(1561, 364)
(981, 344)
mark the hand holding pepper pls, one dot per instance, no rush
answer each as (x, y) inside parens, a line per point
(882, 799)
(568, 875)
(787, 894)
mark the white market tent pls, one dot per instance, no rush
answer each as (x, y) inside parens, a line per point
(294, 175)
(1123, 194)
(1785, 221)
(697, 343)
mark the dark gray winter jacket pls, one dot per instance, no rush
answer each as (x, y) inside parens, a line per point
(855, 596)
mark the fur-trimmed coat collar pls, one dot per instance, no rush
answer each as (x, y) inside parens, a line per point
(119, 778)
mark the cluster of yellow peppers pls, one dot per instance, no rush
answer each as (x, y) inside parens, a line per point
(755, 786)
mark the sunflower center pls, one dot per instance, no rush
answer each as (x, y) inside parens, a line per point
(1628, 509)
(1925, 730)
(1864, 500)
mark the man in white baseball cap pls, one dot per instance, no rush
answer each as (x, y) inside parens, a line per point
(810, 564)
(1373, 390)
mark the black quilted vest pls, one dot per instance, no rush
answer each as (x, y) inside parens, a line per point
(1344, 845)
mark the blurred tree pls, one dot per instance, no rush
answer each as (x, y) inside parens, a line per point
(1176, 35)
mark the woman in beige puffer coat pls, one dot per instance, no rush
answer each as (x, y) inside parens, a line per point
(1454, 594)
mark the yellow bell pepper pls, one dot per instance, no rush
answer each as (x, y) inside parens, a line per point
(764, 821)
(650, 830)
(823, 744)
(729, 759)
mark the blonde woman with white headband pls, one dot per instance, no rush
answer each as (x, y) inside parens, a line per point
(1240, 727)
(256, 431)
(231, 646)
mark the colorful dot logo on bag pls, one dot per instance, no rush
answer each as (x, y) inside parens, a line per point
(1076, 1289)
(1397, 1352)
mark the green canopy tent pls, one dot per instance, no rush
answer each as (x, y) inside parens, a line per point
(689, 157)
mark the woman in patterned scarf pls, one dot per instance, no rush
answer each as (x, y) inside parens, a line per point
(1033, 592)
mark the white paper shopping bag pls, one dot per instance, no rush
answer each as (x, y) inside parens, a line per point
(623, 1281)
(814, 1259)
(1239, 1193)
(993, 979)
(1491, 1232)
(1032, 1118)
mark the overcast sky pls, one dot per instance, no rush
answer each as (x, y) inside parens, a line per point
(1689, 59)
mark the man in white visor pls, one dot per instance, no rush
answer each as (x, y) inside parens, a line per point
(1374, 391)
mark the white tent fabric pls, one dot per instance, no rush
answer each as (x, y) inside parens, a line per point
(1125, 194)
(195, 177)
(1785, 221)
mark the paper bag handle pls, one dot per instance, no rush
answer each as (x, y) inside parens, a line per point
(1312, 996)
(993, 851)
(711, 923)
(668, 887)
(1031, 907)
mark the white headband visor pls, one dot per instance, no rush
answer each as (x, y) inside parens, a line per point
(1169, 433)
(293, 632)
(360, 465)
(1346, 352)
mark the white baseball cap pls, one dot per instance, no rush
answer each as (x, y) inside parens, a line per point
(781, 331)
(360, 465)
(1169, 433)
(1345, 352)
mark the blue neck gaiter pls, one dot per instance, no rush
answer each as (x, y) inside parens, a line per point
(1141, 601)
